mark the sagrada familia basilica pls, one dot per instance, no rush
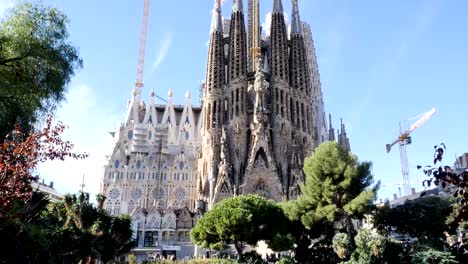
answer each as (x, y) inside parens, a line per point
(261, 114)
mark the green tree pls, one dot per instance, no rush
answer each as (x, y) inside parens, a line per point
(372, 247)
(84, 231)
(37, 62)
(337, 190)
(422, 218)
(424, 255)
(242, 220)
(455, 183)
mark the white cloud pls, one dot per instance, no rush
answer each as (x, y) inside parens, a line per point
(88, 122)
(163, 49)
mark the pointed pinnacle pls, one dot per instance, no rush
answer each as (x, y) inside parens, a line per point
(237, 6)
(277, 7)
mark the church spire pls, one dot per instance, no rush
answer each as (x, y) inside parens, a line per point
(216, 19)
(237, 67)
(237, 6)
(331, 132)
(279, 44)
(296, 20)
(277, 7)
(343, 139)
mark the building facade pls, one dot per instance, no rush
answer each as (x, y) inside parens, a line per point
(259, 122)
(262, 112)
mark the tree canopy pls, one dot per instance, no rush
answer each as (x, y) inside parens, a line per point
(37, 61)
(242, 220)
(338, 188)
(422, 218)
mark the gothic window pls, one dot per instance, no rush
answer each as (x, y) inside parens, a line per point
(114, 194)
(291, 110)
(138, 164)
(149, 135)
(260, 186)
(181, 165)
(180, 197)
(131, 206)
(130, 134)
(136, 194)
(150, 240)
(116, 164)
(116, 211)
(208, 119)
(224, 189)
(187, 135)
(303, 117)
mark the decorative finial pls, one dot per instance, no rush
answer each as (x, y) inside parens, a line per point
(170, 93)
(152, 93)
(134, 92)
(187, 94)
(259, 64)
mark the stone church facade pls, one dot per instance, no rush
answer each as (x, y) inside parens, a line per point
(258, 123)
(261, 114)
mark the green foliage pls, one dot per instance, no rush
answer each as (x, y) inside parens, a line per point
(422, 218)
(337, 189)
(372, 247)
(425, 255)
(69, 231)
(341, 245)
(94, 232)
(336, 186)
(242, 220)
(37, 62)
(286, 260)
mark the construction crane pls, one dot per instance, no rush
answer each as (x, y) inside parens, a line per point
(254, 32)
(141, 53)
(403, 140)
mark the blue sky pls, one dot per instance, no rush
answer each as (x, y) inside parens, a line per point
(381, 62)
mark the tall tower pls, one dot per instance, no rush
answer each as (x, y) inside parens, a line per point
(320, 124)
(213, 105)
(235, 133)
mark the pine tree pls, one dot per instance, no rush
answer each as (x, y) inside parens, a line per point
(338, 188)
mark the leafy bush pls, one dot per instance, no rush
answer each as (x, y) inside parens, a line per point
(429, 255)
(341, 245)
(286, 260)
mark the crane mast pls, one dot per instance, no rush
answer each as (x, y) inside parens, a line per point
(141, 52)
(403, 140)
(254, 32)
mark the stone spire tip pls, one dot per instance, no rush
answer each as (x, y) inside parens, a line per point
(277, 7)
(237, 6)
(296, 27)
(216, 19)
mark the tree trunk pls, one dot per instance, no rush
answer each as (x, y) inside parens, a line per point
(350, 231)
(239, 248)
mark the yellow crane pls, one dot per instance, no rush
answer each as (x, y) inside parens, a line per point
(405, 139)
